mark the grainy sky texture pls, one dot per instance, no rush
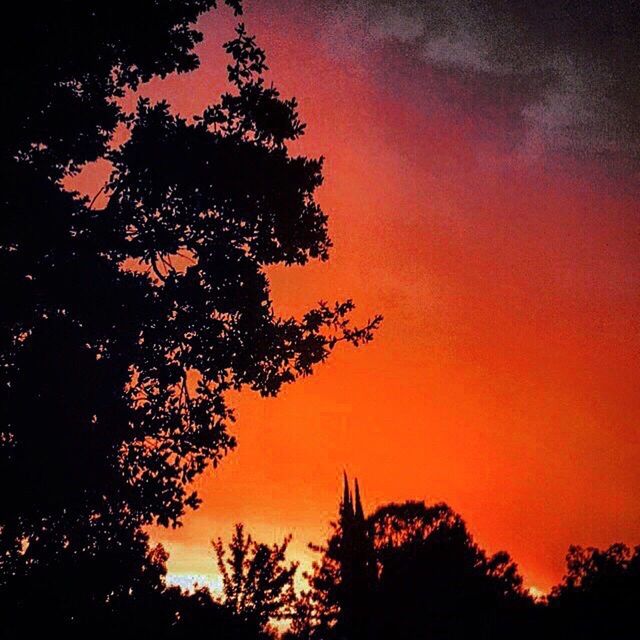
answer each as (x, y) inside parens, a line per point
(570, 69)
(482, 186)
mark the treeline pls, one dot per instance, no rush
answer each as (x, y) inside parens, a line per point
(412, 571)
(407, 571)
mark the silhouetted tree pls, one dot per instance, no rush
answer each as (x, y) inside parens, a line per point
(357, 567)
(339, 602)
(95, 579)
(421, 576)
(197, 614)
(599, 596)
(257, 583)
(122, 329)
(436, 582)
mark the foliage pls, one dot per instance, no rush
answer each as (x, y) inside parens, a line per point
(436, 582)
(100, 578)
(599, 595)
(199, 613)
(339, 600)
(416, 572)
(124, 328)
(257, 583)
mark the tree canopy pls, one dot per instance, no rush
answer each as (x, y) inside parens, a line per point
(124, 327)
(257, 582)
(600, 593)
(114, 376)
(436, 581)
(409, 571)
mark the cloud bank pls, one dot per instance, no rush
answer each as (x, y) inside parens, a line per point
(577, 63)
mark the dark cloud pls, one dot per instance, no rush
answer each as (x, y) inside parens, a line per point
(579, 59)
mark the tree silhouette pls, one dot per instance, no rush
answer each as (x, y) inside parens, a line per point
(102, 579)
(70, 62)
(123, 328)
(413, 572)
(600, 594)
(198, 613)
(257, 584)
(436, 582)
(338, 603)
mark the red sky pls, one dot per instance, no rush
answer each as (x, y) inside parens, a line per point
(504, 380)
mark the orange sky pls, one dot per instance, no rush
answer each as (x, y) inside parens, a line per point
(504, 380)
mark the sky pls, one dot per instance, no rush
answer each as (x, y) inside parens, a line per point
(481, 178)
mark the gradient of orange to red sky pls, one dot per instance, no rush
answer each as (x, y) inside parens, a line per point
(504, 380)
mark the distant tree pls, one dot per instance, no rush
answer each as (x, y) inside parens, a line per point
(599, 596)
(257, 582)
(342, 584)
(115, 583)
(318, 608)
(436, 582)
(421, 576)
(123, 328)
(357, 567)
(197, 614)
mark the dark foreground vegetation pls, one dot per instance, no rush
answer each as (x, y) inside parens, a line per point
(407, 571)
(126, 319)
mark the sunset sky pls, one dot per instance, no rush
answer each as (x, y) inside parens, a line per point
(481, 179)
